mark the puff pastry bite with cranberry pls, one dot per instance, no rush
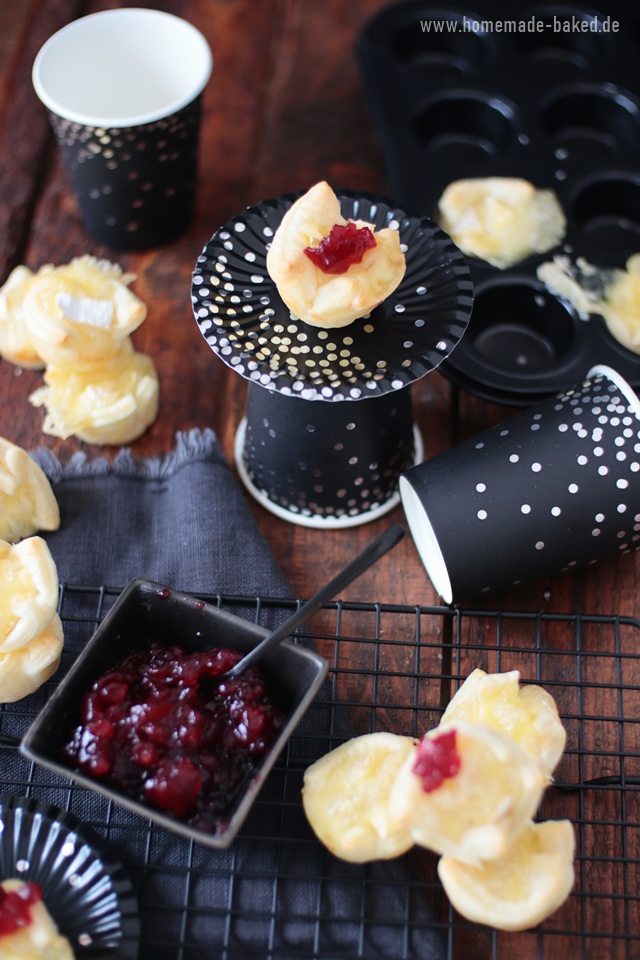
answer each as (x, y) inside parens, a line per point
(330, 271)
(27, 502)
(35, 936)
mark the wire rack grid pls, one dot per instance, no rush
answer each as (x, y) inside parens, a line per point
(277, 894)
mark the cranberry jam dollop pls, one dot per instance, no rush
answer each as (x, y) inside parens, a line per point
(161, 729)
(15, 908)
(437, 760)
(344, 246)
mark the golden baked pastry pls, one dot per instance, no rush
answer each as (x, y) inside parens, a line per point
(332, 299)
(610, 292)
(501, 220)
(16, 345)
(23, 671)
(28, 592)
(27, 502)
(345, 797)
(522, 888)
(528, 713)
(488, 792)
(81, 312)
(110, 402)
(41, 939)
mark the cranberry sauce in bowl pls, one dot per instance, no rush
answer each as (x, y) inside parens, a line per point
(141, 718)
(159, 727)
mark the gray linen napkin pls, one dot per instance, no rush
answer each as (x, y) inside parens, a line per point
(179, 519)
(277, 893)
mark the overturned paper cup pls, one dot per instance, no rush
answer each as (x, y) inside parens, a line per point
(123, 90)
(553, 488)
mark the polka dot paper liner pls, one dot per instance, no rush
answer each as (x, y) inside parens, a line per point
(84, 888)
(554, 488)
(245, 322)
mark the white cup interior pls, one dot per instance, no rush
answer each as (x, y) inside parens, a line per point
(121, 68)
(425, 540)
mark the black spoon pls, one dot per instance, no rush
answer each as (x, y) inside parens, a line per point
(376, 549)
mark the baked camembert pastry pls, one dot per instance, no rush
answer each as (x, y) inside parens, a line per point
(27, 502)
(111, 402)
(81, 311)
(330, 271)
(76, 321)
(501, 220)
(27, 930)
(608, 291)
(467, 790)
(16, 345)
(31, 636)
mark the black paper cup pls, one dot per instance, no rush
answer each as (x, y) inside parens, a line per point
(123, 88)
(554, 488)
(326, 464)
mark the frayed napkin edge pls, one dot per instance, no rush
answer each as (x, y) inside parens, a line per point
(191, 447)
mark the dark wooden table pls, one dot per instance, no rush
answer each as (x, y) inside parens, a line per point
(283, 110)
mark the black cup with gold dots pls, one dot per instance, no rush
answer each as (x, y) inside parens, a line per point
(135, 185)
(123, 92)
(329, 423)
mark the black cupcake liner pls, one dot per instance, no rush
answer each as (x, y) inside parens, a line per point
(245, 322)
(84, 888)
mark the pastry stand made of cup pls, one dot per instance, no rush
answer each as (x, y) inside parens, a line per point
(328, 427)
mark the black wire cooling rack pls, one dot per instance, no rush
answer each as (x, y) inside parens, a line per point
(277, 894)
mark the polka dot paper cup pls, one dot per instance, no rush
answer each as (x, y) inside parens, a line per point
(123, 91)
(553, 488)
(327, 465)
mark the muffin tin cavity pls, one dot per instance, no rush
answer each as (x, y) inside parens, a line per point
(549, 93)
(606, 210)
(471, 126)
(559, 45)
(448, 53)
(519, 328)
(592, 121)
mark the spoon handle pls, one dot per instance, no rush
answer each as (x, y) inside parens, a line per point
(376, 549)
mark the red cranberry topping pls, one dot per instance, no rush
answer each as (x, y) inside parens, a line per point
(345, 245)
(164, 731)
(15, 908)
(437, 760)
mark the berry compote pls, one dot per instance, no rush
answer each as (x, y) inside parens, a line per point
(437, 760)
(15, 908)
(160, 728)
(344, 246)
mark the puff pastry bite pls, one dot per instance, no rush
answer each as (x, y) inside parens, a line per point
(23, 671)
(16, 345)
(82, 311)
(27, 502)
(28, 592)
(528, 713)
(346, 793)
(612, 293)
(521, 889)
(40, 938)
(360, 267)
(466, 791)
(501, 219)
(111, 402)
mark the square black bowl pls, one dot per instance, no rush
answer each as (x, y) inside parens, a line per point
(148, 613)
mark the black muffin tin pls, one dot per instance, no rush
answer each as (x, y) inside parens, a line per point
(501, 89)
